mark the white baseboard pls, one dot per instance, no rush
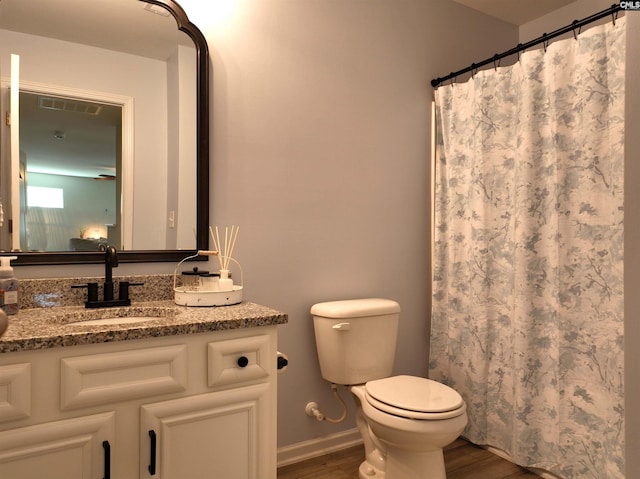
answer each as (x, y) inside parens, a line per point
(318, 447)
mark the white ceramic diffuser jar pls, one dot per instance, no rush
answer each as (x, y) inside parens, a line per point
(225, 283)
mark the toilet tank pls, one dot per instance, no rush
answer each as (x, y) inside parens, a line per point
(356, 339)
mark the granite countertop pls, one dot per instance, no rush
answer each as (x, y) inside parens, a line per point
(42, 328)
(52, 312)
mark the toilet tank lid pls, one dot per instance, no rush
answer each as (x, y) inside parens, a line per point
(354, 308)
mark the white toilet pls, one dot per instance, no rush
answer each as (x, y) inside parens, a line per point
(405, 421)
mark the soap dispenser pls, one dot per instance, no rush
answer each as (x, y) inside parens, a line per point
(8, 286)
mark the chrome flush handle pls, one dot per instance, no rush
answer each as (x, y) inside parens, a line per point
(342, 326)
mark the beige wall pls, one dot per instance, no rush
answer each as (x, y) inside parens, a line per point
(577, 10)
(321, 140)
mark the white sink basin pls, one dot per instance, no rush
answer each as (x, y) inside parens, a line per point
(128, 320)
(115, 317)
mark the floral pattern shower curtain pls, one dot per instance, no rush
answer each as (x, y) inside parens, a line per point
(527, 319)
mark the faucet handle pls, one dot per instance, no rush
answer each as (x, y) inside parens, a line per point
(123, 291)
(92, 290)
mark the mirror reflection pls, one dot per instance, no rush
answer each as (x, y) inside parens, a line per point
(70, 151)
(106, 123)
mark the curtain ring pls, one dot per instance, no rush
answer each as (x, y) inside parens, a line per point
(473, 70)
(545, 42)
(496, 62)
(452, 78)
(575, 35)
(614, 14)
(519, 50)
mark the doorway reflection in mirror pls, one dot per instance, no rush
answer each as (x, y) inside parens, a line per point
(69, 147)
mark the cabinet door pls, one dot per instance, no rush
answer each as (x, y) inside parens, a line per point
(221, 435)
(78, 448)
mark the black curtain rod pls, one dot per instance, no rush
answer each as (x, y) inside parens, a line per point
(574, 27)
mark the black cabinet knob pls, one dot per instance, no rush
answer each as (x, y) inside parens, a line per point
(282, 362)
(243, 361)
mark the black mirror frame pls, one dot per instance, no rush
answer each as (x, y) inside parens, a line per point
(202, 170)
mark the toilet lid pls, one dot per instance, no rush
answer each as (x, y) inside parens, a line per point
(411, 396)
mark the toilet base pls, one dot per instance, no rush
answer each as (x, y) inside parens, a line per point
(407, 465)
(367, 471)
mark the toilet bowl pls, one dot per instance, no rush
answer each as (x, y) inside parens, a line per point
(414, 419)
(405, 421)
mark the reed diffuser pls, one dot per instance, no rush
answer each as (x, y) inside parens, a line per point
(225, 254)
(212, 292)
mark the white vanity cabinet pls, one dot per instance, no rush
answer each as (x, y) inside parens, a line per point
(77, 448)
(210, 435)
(189, 406)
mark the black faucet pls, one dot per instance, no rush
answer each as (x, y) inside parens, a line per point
(110, 262)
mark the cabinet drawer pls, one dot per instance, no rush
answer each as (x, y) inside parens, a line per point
(236, 361)
(15, 391)
(105, 378)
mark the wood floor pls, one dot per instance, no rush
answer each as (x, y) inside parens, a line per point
(463, 461)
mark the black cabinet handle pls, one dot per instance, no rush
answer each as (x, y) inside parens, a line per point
(107, 459)
(152, 455)
(243, 361)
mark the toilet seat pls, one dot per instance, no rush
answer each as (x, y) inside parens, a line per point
(414, 398)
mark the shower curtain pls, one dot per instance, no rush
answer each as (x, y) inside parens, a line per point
(527, 316)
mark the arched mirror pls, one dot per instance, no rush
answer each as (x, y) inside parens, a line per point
(113, 131)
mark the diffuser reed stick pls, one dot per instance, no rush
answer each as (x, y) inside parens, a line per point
(225, 251)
